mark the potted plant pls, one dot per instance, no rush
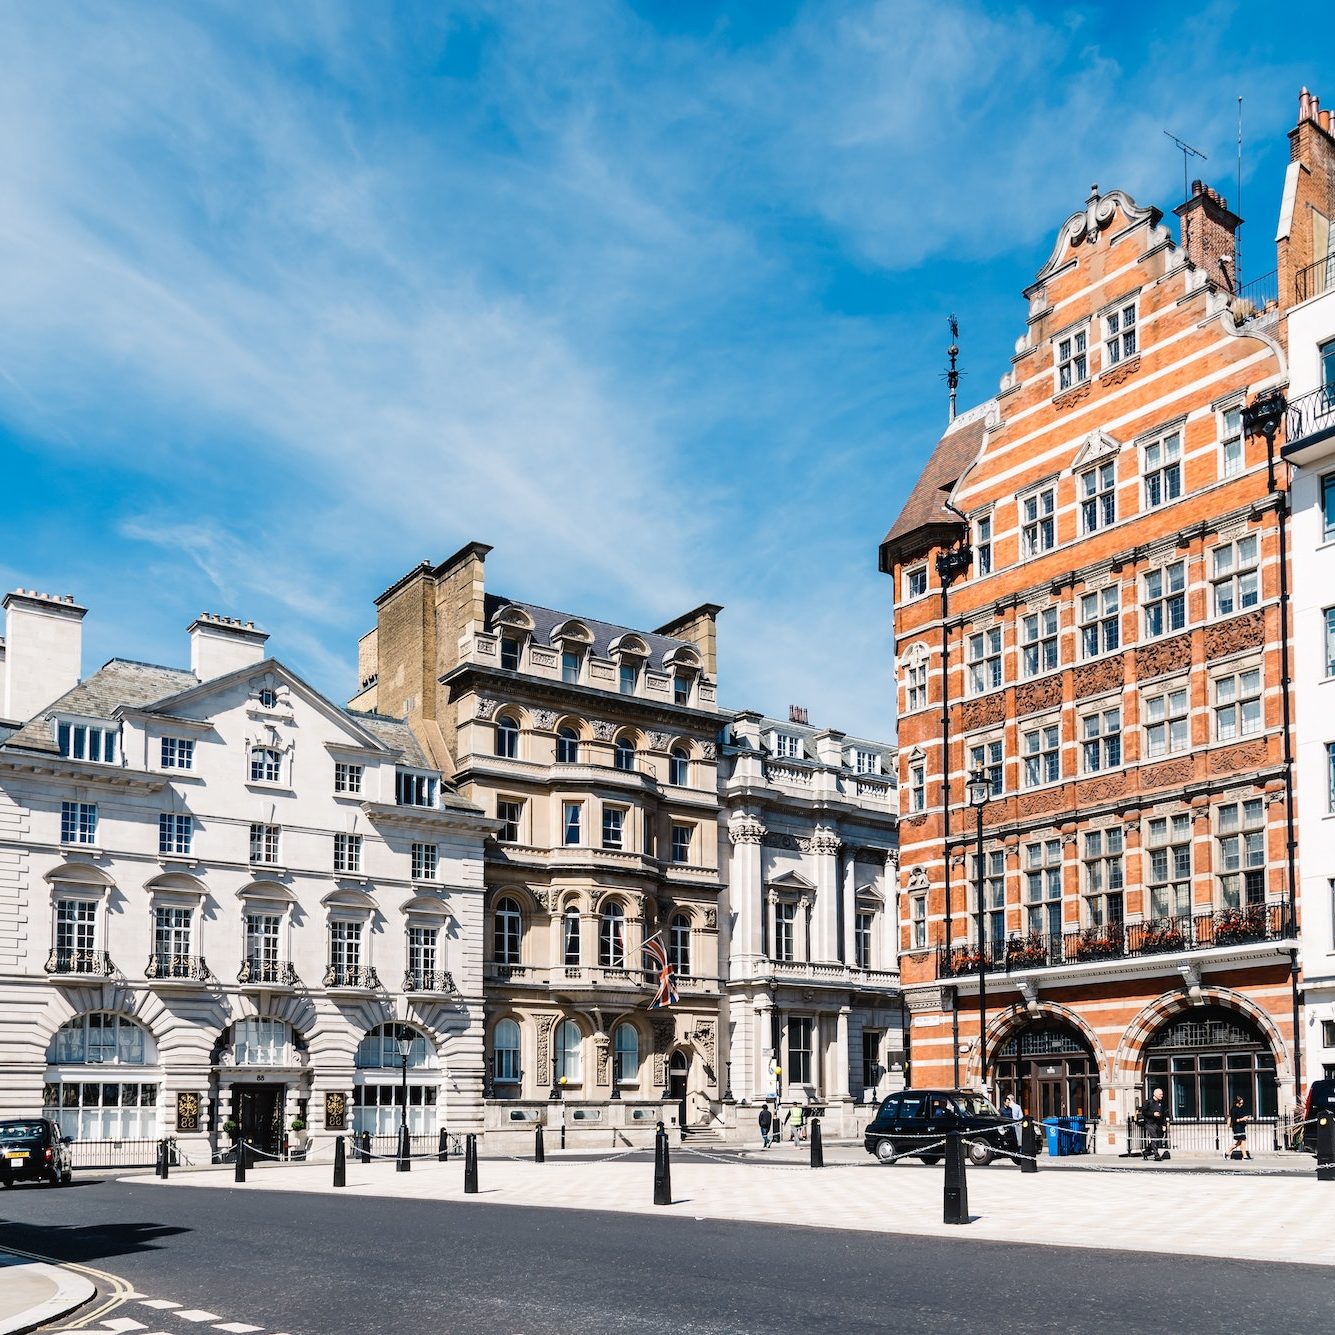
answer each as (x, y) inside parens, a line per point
(231, 1128)
(299, 1137)
(1162, 936)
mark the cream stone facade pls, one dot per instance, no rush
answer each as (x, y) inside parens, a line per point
(593, 748)
(808, 847)
(225, 899)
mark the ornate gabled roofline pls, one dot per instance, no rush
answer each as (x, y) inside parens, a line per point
(1086, 224)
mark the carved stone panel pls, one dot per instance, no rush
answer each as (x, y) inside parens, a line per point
(708, 751)
(658, 741)
(1244, 632)
(486, 707)
(544, 719)
(1232, 759)
(787, 841)
(1036, 695)
(544, 1049)
(1095, 678)
(1154, 660)
(1037, 804)
(1103, 789)
(603, 1046)
(1168, 775)
(602, 729)
(986, 709)
(746, 831)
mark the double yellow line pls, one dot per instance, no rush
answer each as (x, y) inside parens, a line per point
(102, 1306)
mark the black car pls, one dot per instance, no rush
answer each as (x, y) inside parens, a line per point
(32, 1149)
(1320, 1098)
(916, 1117)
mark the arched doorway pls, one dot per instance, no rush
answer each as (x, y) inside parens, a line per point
(1049, 1068)
(679, 1068)
(1206, 1057)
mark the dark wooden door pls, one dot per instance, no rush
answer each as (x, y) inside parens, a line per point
(260, 1113)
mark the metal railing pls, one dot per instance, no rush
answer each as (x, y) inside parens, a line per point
(114, 1153)
(277, 973)
(362, 976)
(1310, 414)
(96, 962)
(188, 968)
(1258, 295)
(1159, 936)
(1207, 1135)
(1314, 279)
(429, 980)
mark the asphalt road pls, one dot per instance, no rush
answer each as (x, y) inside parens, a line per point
(321, 1265)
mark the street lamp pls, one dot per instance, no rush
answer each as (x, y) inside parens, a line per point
(979, 789)
(405, 1045)
(1261, 417)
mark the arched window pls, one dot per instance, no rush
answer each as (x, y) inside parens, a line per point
(625, 753)
(102, 1109)
(260, 1042)
(567, 747)
(679, 766)
(509, 932)
(568, 1040)
(679, 943)
(507, 737)
(505, 1053)
(612, 937)
(266, 764)
(380, 1048)
(626, 1046)
(570, 936)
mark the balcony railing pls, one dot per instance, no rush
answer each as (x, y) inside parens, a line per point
(1309, 415)
(1160, 936)
(179, 968)
(429, 980)
(359, 977)
(95, 963)
(1258, 296)
(1314, 279)
(271, 973)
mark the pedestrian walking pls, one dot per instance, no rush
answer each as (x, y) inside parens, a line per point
(1238, 1118)
(797, 1123)
(1014, 1113)
(766, 1121)
(1155, 1114)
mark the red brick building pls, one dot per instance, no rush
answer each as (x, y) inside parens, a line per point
(1087, 611)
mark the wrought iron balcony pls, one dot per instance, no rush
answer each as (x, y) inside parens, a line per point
(267, 973)
(95, 963)
(178, 968)
(429, 980)
(1314, 279)
(1159, 936)
(360, 978)
(1310, 417)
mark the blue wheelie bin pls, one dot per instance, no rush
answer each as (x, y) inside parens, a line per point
(1078, 1142)
(1053, 1126)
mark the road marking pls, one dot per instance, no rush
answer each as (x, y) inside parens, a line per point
(124, 1323)
(237, 1327)
(196, 1314)
(163, 1303)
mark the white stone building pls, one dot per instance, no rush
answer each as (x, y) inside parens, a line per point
(808, 844)
(224, 898)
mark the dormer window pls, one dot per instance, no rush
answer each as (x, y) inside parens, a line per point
(681, 689)
(866, 762)
(415, 790)
(512, 649)
(571, 660)
(178, 753)
(629, 677)
(786, 746)
(87, 741)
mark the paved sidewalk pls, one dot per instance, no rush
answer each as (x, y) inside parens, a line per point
(33, 1293)
(1252, 1217)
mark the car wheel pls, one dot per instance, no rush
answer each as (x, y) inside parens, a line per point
(67, 1177)
(930, 1158)
(979, 1154)
(885, 1151)
(53, 1177)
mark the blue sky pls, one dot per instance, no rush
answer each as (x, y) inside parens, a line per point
(651, 297)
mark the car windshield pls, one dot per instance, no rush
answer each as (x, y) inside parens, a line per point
(975, 1105)
(22, 1130)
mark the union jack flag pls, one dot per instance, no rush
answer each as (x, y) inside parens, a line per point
(666, 995)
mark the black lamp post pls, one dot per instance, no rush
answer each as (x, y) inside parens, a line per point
(1261, 417)
(979, 789)
(405, 1051)
(616, 1071)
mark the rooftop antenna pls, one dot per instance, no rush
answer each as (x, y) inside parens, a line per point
(1237, 238)
(1187, 152)
(953, 375)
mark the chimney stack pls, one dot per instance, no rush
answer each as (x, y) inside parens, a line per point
(43, 651)
(219, 645)
(1208, 235)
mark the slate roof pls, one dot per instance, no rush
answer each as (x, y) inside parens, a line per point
(395, 734)
(923, 510)
(546, 620)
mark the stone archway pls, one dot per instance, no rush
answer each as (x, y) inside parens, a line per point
(1048, 1058)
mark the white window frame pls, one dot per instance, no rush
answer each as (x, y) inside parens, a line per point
(1100, 616)
(915, 686)
(78, 824)
(982, 545)
(915, 582)
(989, 754)
(616, 824)
(348, 776)
(1101, 738)
(176, 831)
(1070, 358)
(1165, 719)
(1235, 575)
(1038, 520)
(347, 854)
(572, 824)
(1043, 878)
(79, 739)
(1165, 599)
(1120, 333)
(510, 812)
(917, 787)
(264, 763)
(176, 753)
(1103, 876)
(265, 844)
(1041, 752)
(1238, 702)
(1040, 646)
(983, 658)
(1168, 864)
(1240, 846)
(1232, 441)
(1097, 493)
(416, 788)
(1161, 469)
(425, 860)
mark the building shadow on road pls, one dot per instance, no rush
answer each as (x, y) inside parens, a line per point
(85, 1243)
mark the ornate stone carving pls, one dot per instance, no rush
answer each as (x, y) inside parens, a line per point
(824, 842)
(986, 709)
(787, 841)
(1073, 396)
(658, 741)
(1231, 759)
(918, 878)
(1122, 372)
(486, 707)
(703, 1038)
(663, 1031)
(544, 719)
(1036, 695)
(1103, 789)
(1168, 775)
(1228, 637)
(544, 1048)
(544, 898)
(708, 751)
(603, 1047)
(1035, 804)
(1154, 660)
(746, 831)
(1095, 678)
(602, 729)
(711, 918)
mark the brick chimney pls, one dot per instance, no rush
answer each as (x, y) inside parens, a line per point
(1307, 213)
(1208, 231)
(43, 651)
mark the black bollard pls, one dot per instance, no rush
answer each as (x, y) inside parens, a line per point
(662, 1169)
(240, 1173)
(470, 1165)
(366, 1147)
(404, 1163)
(957, 1189)
(1325, 1148)
(539, 1154)
(443, 1152)
(817, 1149)
(340, 1163)
(161, 1159)
(1028, 1147)
(166, 1157)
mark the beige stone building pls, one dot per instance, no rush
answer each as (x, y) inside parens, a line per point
(594, 746)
